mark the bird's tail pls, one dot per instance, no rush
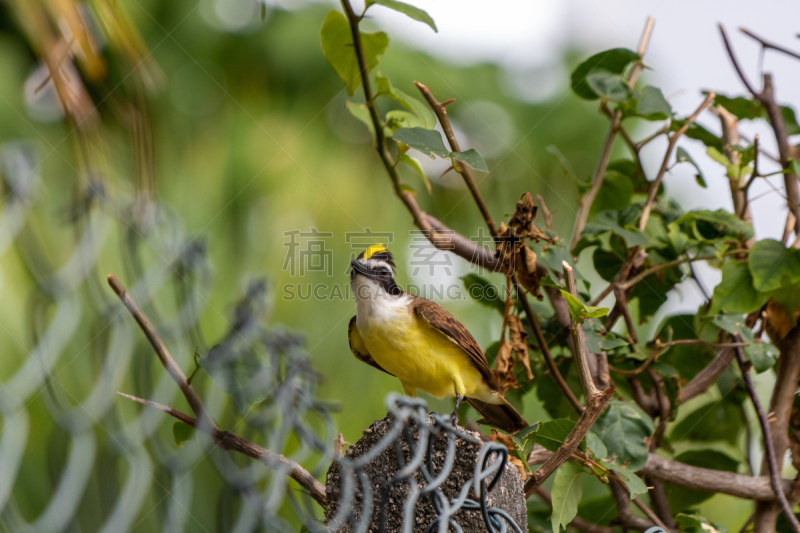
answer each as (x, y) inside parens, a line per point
(502, 415)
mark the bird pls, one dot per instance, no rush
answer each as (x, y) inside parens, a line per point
(421, 343)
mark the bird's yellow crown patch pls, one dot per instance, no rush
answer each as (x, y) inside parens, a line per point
(374, 249)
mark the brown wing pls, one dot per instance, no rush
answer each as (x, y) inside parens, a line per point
(435, 315)
(358, 347)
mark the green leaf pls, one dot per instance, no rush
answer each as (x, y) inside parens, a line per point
(580, 311)
(741, 107)
(566, 493)
(773, 265)
(697, 132)
(609, 221)
(360, 112)
(430, 143)
(596, 446)
(472, 158)
(615, 193)
(551, 434)
(790, 120)
(182, 432)
(523, 442)
(732, 170)
(484, 292)
(624, 428)
(384, 87)
(413, 163)
(406, 9)
(609, 85)
(652, 105)
(711, 225)
(614, 61)
(634, 483)
(683, 156)
(691, 523)
(398, 118)
(763, 355)
(338, 49)
(736, 292)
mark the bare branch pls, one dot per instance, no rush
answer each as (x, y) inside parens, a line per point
(230, 441)
(164, 356)
(651, 195)
(770, 45)
(441, 113)
(655, 268)
(772, 465)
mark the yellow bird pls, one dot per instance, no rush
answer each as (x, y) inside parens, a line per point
(420, 343)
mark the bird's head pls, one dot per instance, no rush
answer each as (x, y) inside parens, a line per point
(377, 266)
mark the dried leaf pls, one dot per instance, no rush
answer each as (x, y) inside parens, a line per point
(508, 442)
(504, 367)
(517, 337)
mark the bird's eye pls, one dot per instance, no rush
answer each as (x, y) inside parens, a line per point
(384, 270)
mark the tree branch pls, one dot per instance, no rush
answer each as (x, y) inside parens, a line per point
(774, 474)
(651, 195)
(164, 356)
(675, 262)
(767, 98)
(231, 441)
(768, 44)
(441, 113)
(595, 404)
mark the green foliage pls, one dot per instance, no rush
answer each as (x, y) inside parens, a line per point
(181, 433)
(407, 9)
(652, 105)
(736, 293)
(682, 155)
(567, 492)
(773, 266)
(484, 292)
(337, 45)
(604, 65)
(580, 311)
(690, 523)
(551, 434)
(430, 143)
(623, 427)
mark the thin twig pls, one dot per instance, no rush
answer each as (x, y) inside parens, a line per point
(675, 262)
(164, 356)
(651, 196)
(587, 383)
(548, 216)
(441, 113)
(555, 373)
(230, 441)
(767, 98)
(768, 44)
(774, 474)
(608, 143)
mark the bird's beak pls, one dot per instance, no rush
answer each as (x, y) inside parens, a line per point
(361, 269)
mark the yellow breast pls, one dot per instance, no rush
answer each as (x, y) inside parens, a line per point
(421, 356)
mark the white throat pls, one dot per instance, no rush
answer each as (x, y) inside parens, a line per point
(374, 303)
